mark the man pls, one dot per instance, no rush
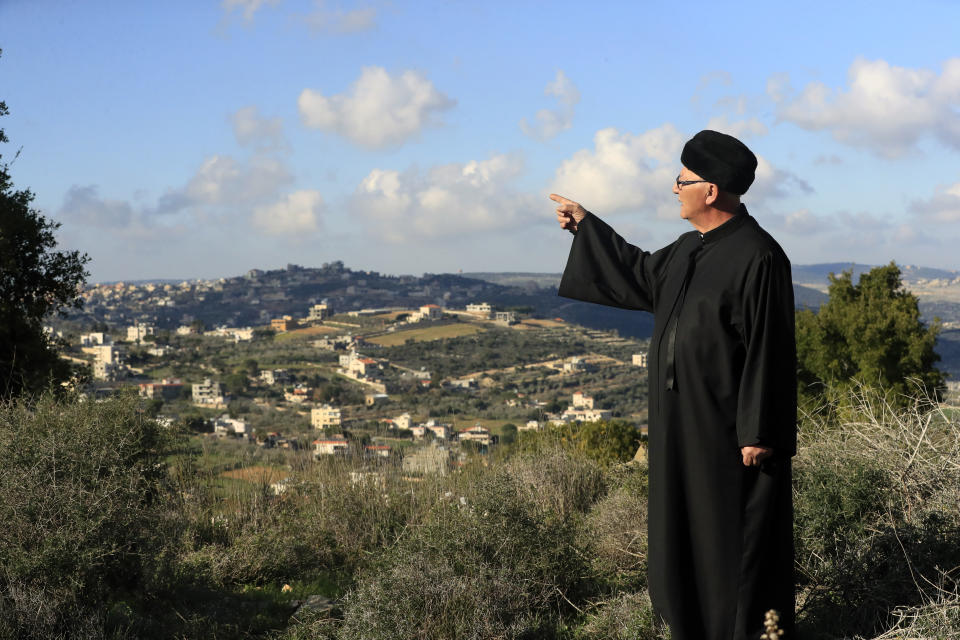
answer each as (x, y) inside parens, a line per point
(722, 375)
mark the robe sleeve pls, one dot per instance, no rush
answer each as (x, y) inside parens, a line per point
(604, 268)
(767, 407)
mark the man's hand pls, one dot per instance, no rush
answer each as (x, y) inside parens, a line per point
(753, 456)
(569, 213)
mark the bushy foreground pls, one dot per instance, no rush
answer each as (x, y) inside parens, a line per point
(877, 499)
(81, 514)
(116, 528)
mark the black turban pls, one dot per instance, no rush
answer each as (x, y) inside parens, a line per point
(720, 159)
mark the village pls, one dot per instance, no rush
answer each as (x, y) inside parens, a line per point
(423, 388)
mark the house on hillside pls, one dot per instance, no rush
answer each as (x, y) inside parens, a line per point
(165, 389)
(439, 431)
(227, 426)
(209, 394)
(582, 401)
(477, 433)
(330, 446)
(325, 417)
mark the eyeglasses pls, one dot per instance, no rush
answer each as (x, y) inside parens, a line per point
(683, 183)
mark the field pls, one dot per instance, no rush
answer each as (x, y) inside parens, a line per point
(308, 332)
(426, 335)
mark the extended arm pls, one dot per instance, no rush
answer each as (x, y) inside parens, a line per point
(603, 267)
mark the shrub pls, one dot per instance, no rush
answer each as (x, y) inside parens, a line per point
(628, 616)
(82, 511)
(615, 532)
(555, 478)
(876, 495)
(489, 561)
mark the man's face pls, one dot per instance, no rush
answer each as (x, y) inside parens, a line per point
(691, 196)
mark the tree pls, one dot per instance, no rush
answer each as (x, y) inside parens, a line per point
(36, 280)
(508, 433)
(869, 333)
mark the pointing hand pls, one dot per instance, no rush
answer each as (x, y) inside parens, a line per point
(569, 213)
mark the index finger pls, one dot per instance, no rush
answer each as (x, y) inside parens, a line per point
(561, 199)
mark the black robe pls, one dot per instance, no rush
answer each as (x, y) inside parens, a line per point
(722, 373)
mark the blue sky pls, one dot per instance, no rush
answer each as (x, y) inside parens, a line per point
(201, 138)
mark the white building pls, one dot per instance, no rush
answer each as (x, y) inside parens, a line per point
(505, 317)
(330, 446)
(439, 431)
(581, 401)
(325, 417)
(208, 393)
(318, 312)
(225, 425)
(402, 421)
(584, 415)
(574, 365)
(640, 360)
(108, 361)
(95, 338)
(139, 331)
(275, 376)
(477, 433)
(482, 309)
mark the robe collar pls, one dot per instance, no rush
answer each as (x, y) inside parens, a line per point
(727, 227)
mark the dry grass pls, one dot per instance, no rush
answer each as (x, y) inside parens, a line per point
(426, 335)
(306, 332)
(257, 474)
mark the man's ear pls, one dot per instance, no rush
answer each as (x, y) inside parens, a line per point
(713, 192)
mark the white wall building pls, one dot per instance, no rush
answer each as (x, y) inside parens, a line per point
(208, 392)
(139, 331)
(439, 431)
(225, 425)
(581, 401)
(329, 447)
(325, 417)
(482, 309)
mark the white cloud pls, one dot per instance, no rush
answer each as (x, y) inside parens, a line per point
(943, 207)
(741, 129)
(222, 180)
(624, 171)
(379, 111)
(804, 223)
(549, 122)
(884, 108)
(771, 182)
(449, 200)
(297, 214)
(252, 129)
(323, 20)
(247, 7)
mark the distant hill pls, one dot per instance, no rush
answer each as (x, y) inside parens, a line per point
(256, 297)
(817, 274)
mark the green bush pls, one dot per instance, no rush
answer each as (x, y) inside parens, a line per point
(877, 489)
(628, 616)
(488, 561)
(82, 508)
(615, 533)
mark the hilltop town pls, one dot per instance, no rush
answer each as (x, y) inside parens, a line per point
(421, 386)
